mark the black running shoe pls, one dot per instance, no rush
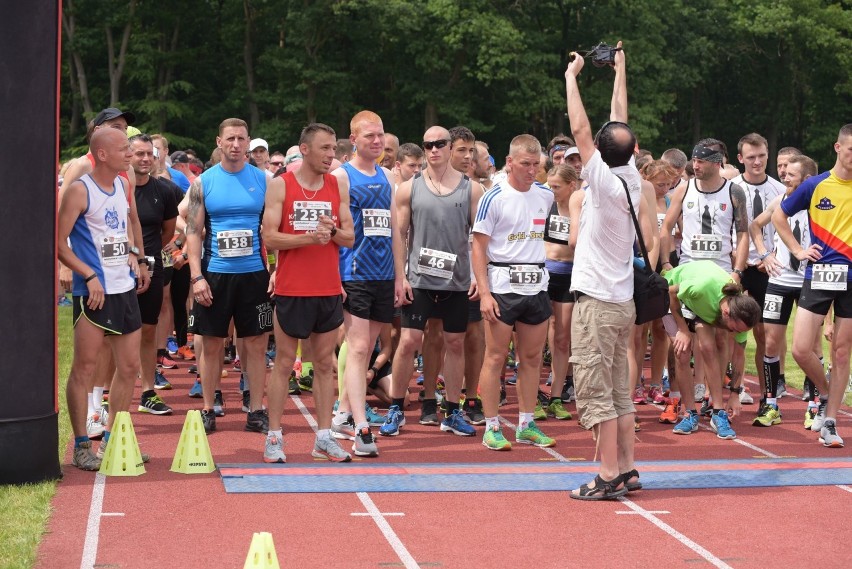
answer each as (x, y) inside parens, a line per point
(246, 401)
(218, 403)
(294, 385)
(257, 421)
(208, 419)
(429, 412)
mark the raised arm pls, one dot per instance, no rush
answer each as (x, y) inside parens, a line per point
(580, 127)
(618, 106)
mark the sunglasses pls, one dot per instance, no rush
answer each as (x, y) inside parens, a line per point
(430, 144)
(279, 164)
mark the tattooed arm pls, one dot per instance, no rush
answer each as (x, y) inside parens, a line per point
(741, 227)
(194, 227)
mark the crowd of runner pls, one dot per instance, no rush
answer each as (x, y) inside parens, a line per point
(342, 264)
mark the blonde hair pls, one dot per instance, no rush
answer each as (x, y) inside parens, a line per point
(524, 143)
(363, 116)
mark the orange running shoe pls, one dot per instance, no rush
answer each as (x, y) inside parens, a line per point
(185, 353)
(672, 411)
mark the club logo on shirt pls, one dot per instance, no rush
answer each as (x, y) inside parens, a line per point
(825, 204)
(723, 206)
(690, 205)
(111, 218)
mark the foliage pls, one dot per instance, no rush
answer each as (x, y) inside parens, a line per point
(695, 68)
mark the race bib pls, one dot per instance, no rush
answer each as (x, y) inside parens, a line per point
(525, 278)
(235, 243)
(114, 250)
(558, 227)
(829, 277)
(687, 313)
(436, 263)
(306, 214)
(377, 222)
(772, 307)
(706, 246)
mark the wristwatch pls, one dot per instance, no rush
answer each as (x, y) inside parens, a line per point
(135, 250)
(739, 272)
(142, 261)
(736, 390)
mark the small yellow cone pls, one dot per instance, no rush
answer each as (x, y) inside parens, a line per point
(122, 456)
(261, 554)
(193, 451)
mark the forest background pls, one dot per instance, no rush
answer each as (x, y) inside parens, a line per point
(696, 68)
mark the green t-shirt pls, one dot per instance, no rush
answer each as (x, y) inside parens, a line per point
(700, 289)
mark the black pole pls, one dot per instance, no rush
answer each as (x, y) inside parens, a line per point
(29, 149)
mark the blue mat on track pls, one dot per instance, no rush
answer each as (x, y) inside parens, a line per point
(527, 477)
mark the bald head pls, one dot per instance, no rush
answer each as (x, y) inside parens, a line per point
(436, 133)
(106, 138)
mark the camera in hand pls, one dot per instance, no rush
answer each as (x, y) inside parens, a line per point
(602, 55)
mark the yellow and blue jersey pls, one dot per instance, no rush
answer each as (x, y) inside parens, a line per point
(828, 201)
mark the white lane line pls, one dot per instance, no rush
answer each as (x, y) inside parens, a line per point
(113, 514)
(372, 511)
(685, 541)
(383, 514)
(93, 525)
(655, 512)
(844, 487)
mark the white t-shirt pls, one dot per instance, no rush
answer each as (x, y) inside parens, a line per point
(759, 196)
(603, 260)
(515, 221)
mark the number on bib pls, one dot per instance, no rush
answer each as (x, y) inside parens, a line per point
(829, 277)
(559, 226)
(377, 222)
(235, 243)
(306, 214)
(772, 307)
(436, 263)
(706, 246)
(114, 250)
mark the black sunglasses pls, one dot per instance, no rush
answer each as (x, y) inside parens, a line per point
(430, 144)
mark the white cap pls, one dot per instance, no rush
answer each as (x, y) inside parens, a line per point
(257, 143)
(572, 150)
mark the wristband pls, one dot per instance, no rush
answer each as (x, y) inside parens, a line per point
(765, 255)
(375, 372)
(737, 390)
(142, 261)
(196, 279)
(90, 277)
(333, 231)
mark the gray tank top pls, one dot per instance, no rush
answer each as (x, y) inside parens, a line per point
(438, 253)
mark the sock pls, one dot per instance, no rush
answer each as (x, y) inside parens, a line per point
(98, 396)
(815, 394)
(812, 404)
(341, 417)
(782, 379)
(92, 407)
(148, 394)
(772, 401)
(399, 402)
(361, 426)
(524, 419)
(492, 423)
(771, 373)
(80, 440)
(106, 436)
(276, 434)
(324, 434)
(674, 394)
(451, 406)
(161, 352)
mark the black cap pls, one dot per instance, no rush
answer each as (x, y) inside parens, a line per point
(180, 157)
(112, 113)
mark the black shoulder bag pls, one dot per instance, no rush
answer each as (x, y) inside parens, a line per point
(650, 290)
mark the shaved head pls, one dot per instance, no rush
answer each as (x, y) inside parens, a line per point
(436, 133)
(106, 139)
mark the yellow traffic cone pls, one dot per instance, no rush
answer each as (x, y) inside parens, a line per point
(193, 451)
(122, 456)
(261, 554)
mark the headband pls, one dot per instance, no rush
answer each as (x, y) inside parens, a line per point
(706, 154)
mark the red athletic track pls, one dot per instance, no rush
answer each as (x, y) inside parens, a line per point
(173, 520)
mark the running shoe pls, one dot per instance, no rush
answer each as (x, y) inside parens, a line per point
(745, 397)
(819, 419)
(246, 401)
(224, 373)
(64, 301)
(568, 394)
(706, 407)
(456, 424)
(688, 424)
(429, 412)
(208, 419)
(257, 421)
(767, 416)
(328, 449)
(345, 430)
(193, 369)
(549, 380)
(808, 390)
(185, 353)
(218, 403)
(393, 422)
(503, 399)
(160, 381)
(306, 382)
(531, 435)
(237, 364)
(420, 379)
(667, 385)
(172, 345)
(639, 394)
(418, 363)
(104, 413)
(655, 395)
(514, 379)
(94, 426)
(700, 392)
(84, 458)
(294, 388)
(373, 418)
(166, 362)
(154, 405)
(557, 410)
(539, 414)
(781, 390)
(510, 358)
(273, 450)
(636, 426)
(195, 390)
(365, 444)
(493, 439)
(720, 423)
(672, 411)
(810, 415)
(828, 435)
(473, 411)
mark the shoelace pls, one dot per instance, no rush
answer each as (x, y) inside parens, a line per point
(831, 428)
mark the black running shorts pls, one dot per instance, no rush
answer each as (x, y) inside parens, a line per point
(370, 300)
(301, 316)
(241, 296)
(448, 306)
(119, 314)
(532, 310)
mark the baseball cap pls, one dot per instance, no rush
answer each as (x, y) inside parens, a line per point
(180, 157)
(112, 113)
(257, 143)
(572, 150)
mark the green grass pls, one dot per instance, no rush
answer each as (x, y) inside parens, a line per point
(29, 504)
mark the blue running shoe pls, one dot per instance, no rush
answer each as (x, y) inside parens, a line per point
(64, 301)
(195, 390)
(172, 345)
(687, 425)
(667, 385)
(393, 422)
(456, 424)
(720, 423)
(420, 379)
(514, 379)
(242, 382)
(373, 418)
(160, 381)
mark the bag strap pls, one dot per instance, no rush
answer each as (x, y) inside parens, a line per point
(635, 222)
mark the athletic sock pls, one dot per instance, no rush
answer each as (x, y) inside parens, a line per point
(674, 394)
(772, 401)
(771, 373)
(98, 396)
(360, 426)
(341, 417)
(79, 440)
(524, 420)
(492, 423)
(275, 434)
(324, 434)
(92, 407)
(451, 406)
(399, 402)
